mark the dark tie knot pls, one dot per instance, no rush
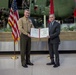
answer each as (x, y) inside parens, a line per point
(51, 23)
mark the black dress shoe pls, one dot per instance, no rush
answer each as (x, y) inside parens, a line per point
(51, 63)
(25, 66)
(55, 66)
(29, 63)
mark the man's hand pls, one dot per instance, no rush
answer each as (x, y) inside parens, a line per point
(29, 35)
(48, 36)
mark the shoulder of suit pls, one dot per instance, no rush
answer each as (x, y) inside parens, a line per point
(57, 23)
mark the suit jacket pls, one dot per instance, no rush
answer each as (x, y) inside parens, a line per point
(54, 32)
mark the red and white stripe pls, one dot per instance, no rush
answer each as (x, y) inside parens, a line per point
(13, 18)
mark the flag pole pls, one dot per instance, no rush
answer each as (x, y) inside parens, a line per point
(44, 21)
(12, 20)
(15, 56)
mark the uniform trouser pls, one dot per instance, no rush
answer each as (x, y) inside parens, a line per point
(25, 47)
(53, 49)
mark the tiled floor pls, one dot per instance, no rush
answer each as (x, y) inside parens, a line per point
(9, 66)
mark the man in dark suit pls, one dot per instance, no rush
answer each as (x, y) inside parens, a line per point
(53, 41)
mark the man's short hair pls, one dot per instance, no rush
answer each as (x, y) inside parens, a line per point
(52, 15)
(26, 9)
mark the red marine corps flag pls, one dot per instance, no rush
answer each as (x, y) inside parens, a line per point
(51, 7)
(75, 13)
(75, 10)
(12, 20)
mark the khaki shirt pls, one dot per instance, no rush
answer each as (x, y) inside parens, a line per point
(25, 25)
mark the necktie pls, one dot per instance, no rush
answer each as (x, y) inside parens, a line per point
(50, 26)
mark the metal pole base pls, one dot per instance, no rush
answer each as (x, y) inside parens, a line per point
(14, 57)
(48, 56)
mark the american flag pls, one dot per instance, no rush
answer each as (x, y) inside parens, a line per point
(12, 20)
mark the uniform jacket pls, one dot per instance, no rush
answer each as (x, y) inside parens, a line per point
(25, 25)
